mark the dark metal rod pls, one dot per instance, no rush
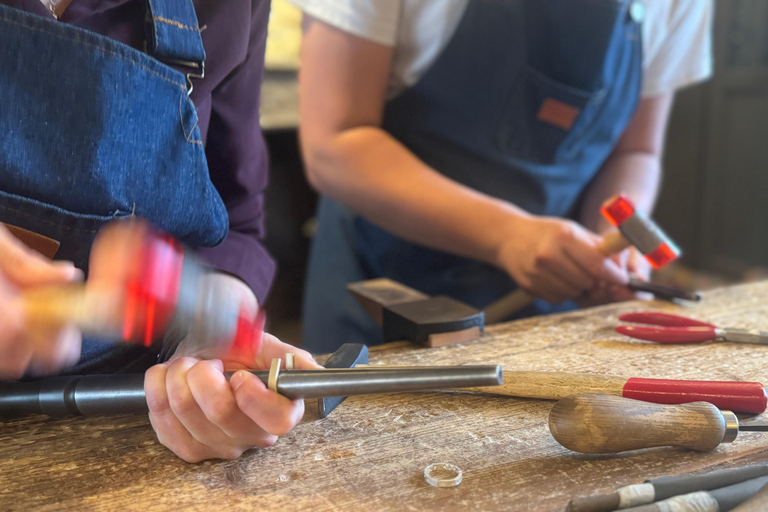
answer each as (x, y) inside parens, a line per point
(124, 393)
(663, 292)
(319, 384)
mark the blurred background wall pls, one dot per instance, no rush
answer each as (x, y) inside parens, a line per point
(714, 198)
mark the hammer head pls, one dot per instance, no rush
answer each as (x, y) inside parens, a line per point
(640, 231)
(348, 355)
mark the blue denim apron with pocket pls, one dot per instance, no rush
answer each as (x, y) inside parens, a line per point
(525, 104)
(94, 130)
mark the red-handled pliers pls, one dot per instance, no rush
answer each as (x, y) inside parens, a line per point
(679, 329)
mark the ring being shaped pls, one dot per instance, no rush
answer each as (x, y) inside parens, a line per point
(442, 475)
(274, 373)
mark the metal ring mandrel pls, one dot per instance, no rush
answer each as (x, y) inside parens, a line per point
(124, 393)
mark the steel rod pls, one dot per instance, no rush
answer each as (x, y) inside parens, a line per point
(124, 393)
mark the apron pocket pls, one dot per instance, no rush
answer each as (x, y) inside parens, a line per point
(74, 231)
(544, 120)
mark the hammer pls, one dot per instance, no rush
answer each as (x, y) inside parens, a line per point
(407, 314)
(635, 228)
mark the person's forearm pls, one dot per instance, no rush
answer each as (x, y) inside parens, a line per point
(369, 171)
(635, 174)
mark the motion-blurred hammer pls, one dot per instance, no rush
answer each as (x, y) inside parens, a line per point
(635, 228)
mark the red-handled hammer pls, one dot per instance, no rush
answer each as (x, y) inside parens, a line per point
(635, 228)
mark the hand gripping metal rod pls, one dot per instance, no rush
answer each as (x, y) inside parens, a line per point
(124, 393)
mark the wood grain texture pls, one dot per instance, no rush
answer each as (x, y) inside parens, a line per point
(371, 452)
(592, 423)
(554, 385)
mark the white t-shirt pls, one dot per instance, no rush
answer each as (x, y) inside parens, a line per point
(677, 40)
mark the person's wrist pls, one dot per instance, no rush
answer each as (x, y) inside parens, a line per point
(510, 237)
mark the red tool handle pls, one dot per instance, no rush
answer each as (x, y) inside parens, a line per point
(733, 396)
(665, 319)
(669, 334)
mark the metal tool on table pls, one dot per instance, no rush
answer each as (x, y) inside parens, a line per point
(663, 292)
(593, 423)
(737, 396)
(407, 314)
(124, 393)
(635, 228)
(757, 503)
(348, 355)
(659, 489)
(679, 329)
(723, 499)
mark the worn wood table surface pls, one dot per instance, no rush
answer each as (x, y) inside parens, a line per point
(372, 451)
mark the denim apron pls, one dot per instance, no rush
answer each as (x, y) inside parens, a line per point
(525, 103)
(95, 130)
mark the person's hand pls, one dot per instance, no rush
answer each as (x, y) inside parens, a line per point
(200, 415)
(558, 259)
(23, 350)
(635, 264)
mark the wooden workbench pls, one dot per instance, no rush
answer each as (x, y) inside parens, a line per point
(370, 453)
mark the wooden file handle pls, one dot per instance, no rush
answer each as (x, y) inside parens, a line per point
(591, 423)
(519, 299)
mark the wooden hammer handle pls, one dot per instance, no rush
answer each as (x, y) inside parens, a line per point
(49, 308)
(591, 423)
(554, 385)
(513, 302)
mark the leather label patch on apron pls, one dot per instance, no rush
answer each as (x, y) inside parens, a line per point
(558, 113)
(42, 244)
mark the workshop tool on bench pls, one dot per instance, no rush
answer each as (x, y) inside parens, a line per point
(635, 228)
(723, 499)
(757, 503)
(663, 292)
(153, 288)
(659, 489)
(592, 423)
(748, 397)
(679, 329)
(407, 314)
(124, 393)
(349, 355)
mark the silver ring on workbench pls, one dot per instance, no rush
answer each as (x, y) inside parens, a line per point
(442, 475)
(274, 372)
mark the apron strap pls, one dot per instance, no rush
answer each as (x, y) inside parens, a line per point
(173, 35)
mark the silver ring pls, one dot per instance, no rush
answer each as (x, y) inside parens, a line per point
(442, 475)
(274, 372)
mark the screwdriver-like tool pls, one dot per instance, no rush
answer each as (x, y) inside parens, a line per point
(593, 423)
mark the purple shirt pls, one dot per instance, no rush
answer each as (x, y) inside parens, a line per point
(234, 34)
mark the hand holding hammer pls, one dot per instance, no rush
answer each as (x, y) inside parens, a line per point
(634, 229)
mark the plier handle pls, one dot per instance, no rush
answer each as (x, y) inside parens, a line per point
(679, 329)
